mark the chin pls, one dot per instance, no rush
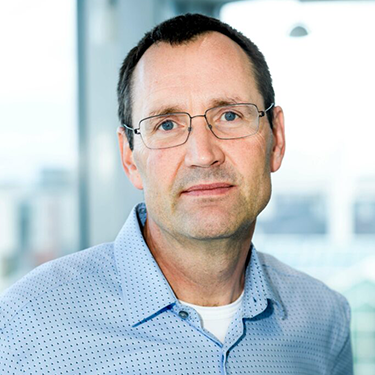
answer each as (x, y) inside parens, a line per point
(214, 229)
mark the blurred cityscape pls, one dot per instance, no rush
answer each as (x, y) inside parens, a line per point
(38, 223)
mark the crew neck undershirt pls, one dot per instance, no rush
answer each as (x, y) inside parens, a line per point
(216, 319)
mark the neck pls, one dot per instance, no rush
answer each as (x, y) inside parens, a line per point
(205, 273)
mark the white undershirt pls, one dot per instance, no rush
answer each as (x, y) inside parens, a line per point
(218, 318)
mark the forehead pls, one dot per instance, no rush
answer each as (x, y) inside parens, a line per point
(206, 69)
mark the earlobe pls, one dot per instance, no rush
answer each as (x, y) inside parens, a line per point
(127, 159)
(278, 149)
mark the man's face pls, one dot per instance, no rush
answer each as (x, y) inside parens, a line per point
(207, 188)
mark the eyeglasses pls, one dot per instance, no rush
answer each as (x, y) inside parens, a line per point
(232, 121)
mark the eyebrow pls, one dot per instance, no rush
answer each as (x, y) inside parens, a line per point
(166, 110)
(226, 101)
(217, 102)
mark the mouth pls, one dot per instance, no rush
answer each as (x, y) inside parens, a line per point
(219, 188)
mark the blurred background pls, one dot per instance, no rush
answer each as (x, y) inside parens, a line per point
(62, 187)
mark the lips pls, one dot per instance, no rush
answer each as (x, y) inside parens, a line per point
(208, 189)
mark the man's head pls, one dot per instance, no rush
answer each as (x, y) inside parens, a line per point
(207, 188)
(182, 30)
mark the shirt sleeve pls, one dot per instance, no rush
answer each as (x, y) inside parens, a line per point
(6, 356)
(343, 364)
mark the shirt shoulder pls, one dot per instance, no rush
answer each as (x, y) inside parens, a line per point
(69, 269)
(296, 288)
(312, 308)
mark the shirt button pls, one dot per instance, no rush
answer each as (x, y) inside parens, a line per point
(183, 314)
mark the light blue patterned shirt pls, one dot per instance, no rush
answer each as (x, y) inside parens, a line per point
(110, 310)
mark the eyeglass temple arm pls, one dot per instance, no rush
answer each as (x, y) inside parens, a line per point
(136, 131)
(262, 113)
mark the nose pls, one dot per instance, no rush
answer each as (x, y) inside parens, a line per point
(203, 148)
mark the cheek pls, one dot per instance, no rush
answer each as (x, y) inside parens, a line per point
(261, 154)
(158, 170)
(264, 142)
(252, 163)
(252, 158)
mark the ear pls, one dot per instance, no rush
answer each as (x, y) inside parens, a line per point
(278, 149)
(127, 159)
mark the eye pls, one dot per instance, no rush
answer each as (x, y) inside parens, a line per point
(229, 116)
(166, 125)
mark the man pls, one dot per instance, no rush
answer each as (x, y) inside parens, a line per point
(182, 290)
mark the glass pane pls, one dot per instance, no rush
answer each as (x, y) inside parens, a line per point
(364, 322)
(38, 142)
(365, 348)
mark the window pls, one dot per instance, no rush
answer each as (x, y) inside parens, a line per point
(38, 142)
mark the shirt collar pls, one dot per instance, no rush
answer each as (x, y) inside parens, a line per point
(146, 291)
(259, 290)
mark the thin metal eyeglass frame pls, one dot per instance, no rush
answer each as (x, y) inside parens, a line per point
(137, 131)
